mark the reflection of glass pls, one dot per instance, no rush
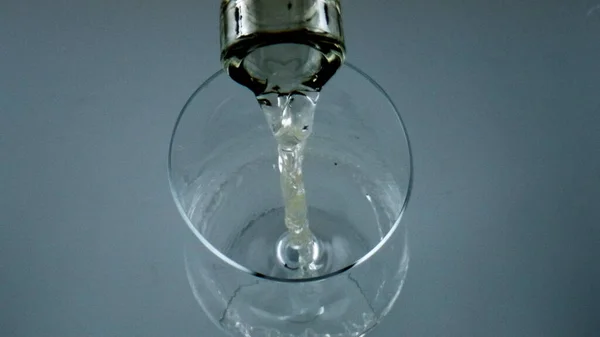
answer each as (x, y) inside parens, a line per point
(357, 171)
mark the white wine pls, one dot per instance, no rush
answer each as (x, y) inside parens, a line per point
(291, 120)
(285, 52)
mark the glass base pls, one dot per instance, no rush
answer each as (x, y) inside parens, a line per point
(263, 245)
(305, 310)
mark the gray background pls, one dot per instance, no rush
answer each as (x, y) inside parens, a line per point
(501, 99)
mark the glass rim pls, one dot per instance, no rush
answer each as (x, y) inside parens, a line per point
(250, 272)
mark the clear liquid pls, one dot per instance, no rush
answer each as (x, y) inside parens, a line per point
(286, 79)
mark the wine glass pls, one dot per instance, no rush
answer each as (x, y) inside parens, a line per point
(358, 173)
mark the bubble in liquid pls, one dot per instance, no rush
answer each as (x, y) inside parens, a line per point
(290, 254)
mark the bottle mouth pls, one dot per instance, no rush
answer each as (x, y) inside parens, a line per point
(284, 61)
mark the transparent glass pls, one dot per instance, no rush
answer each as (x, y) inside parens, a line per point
(358, 173)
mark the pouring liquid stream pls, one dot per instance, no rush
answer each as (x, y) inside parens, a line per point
(286, 79)
(291, 120)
